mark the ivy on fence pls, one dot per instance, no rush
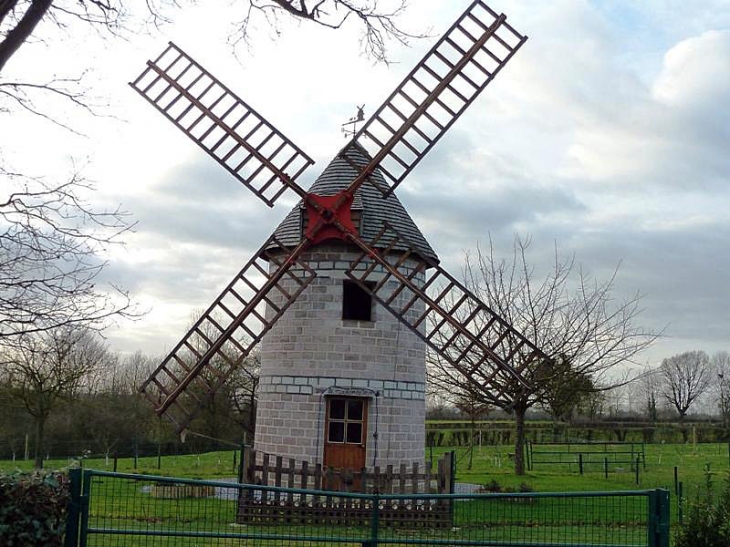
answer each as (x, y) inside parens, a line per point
(33, 508)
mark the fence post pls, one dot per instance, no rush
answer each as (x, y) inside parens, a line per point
(243, 471)
(374, 522)
(85, 498)
(580, 462)
(452, 472)
(658, 533)
(74, 509)
(680, 502)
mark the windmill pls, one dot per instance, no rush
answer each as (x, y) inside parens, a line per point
(349, 239)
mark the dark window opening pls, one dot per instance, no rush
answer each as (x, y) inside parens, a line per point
(337, 409)
(337, 432)
(357, 304)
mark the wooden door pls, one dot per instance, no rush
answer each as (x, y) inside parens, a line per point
(345, 437)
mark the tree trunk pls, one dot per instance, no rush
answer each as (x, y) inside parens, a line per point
(520, 412)
(20, 31)
(40, 424)
(556, 430)
(471, 444)
(683, 429)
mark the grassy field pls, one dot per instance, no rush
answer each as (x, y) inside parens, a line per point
(127, 504)
(490, 463)
(493, 463)
(191, 466)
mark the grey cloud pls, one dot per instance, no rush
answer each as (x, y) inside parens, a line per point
(682, 272)
(201, 203)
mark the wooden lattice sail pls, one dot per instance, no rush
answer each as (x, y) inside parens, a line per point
(454, 323)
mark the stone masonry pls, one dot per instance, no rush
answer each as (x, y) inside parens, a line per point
(311, 352)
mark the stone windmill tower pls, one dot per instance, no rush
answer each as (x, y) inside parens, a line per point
(346, 295)
(342, 380)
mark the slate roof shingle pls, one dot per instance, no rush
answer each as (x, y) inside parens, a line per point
(368, 199)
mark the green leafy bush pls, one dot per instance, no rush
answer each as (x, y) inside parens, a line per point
(33, 509)
(492, 486)
(707, 520)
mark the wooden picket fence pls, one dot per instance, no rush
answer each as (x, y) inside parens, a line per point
(297, 505)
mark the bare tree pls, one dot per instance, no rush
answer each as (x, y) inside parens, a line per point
(461, 397)
(650, 384)
(50, 245)
(243, 392)
(378, 25)
(116, 411)
(469, 403)
(685, 377)
(25, 21)
(234, 402)
(721, 369)
(567, 314)
(43, 369)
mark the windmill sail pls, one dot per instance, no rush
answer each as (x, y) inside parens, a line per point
(227, 332)
(436, 92)
(454, 322)
(479, 343)
(222, 124)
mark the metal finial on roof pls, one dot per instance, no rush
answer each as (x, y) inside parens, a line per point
(349, 128)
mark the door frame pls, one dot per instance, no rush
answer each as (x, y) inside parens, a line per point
(364, 421)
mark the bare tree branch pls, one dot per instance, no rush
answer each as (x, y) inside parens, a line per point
(51, 241)
(378, 26)
(27, 95)
(568, 314)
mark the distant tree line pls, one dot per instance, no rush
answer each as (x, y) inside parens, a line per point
(689, 386)
(65, 394)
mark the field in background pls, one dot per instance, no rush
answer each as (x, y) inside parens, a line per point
(494, 463)
(490, 464)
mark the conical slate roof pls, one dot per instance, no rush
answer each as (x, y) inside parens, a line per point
(374, 208)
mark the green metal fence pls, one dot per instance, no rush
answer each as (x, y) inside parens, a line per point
(587, 455)
(111, 509)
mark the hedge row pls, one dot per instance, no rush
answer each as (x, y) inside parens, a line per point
(33, 509)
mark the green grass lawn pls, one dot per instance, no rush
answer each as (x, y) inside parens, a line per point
(494, 463)
(490, 463)
(126, 504)
(190, 466)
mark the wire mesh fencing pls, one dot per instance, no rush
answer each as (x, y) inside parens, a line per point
(138, 510)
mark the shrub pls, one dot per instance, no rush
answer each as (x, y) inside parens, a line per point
(33, 509)
(707, 521)
(492, 486)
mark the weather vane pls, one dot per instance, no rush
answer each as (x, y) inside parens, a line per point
(349, 128)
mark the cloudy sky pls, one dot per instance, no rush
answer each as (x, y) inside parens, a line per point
(608, 134)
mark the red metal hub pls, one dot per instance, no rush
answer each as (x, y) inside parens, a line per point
(329, 217)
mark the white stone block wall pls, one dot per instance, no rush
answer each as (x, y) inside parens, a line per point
(310, 351)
